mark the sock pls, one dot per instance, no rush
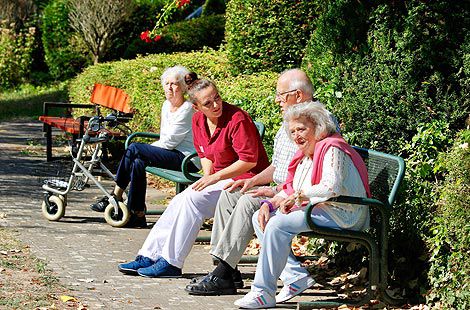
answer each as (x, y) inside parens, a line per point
(223, 270)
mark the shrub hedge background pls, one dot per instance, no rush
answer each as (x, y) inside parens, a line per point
(183, 36)
(65, 52)
(450, 240)
(268, 35)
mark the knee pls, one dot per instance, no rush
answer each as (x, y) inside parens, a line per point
(246, 205)
(277, 223)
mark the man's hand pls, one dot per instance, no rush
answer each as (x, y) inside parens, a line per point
(263, 191)
(263, 216)
(205, 181)
(245, 184)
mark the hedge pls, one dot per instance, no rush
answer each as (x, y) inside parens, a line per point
(450, 239)
(268, 35)
(140, 78)
(184, 36)
(398, 83)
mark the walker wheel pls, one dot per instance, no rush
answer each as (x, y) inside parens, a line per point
(117, 220)
(55, 210)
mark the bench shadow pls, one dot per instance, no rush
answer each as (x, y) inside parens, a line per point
(82, 219)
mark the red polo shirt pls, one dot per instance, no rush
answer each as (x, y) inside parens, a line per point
(235, 138)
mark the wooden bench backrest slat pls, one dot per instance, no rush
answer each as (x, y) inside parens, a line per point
(111, 97)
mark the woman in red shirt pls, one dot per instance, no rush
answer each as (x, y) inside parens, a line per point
(230, 148)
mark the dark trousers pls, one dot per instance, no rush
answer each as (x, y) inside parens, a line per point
(132, 170)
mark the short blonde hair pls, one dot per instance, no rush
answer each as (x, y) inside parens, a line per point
(316, 113)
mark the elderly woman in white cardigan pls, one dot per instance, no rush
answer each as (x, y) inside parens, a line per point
(325, 166)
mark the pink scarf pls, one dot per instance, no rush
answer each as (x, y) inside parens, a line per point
(321, 147)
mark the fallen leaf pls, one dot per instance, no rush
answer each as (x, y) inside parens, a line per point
(66, 298)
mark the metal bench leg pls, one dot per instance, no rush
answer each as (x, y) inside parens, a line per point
(180, 187)
(48, 131)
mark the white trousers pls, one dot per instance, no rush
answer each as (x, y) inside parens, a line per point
(276, 259)
(173, 236)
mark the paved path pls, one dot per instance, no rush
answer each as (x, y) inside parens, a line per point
(82, 249)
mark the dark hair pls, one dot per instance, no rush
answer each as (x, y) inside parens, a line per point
(195, 85)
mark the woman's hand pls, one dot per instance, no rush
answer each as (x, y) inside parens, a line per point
(205, 181)
(263, 216)
(287, 204)
(263, 191)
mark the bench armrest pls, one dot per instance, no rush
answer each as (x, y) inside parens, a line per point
(140, 134)
(371, 202)
(184, 167)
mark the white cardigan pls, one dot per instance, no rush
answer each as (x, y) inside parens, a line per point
(175, 128)
(339, 177)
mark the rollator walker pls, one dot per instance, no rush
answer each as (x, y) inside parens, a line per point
(56, 190)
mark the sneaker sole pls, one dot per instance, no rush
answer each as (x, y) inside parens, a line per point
(146, 276)
(296, 294)
(128, 271)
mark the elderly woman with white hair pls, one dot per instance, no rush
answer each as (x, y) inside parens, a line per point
(325, 166)
(176, 141)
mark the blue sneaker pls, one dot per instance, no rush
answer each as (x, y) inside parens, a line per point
(161, 269)
(139, 262)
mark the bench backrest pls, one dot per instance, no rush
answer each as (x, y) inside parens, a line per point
(385, 173)
(111, 97)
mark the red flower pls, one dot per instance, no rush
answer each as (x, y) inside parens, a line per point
(183, 3)
(144, 36)
(158, 37)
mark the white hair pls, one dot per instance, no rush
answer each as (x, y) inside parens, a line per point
(178, 72)
(314, 112)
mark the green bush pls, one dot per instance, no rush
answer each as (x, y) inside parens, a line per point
(268, 35)
(214, 7)
(398, 83)
(450, 241)
(65, 52)
(140, 78)
(15, 55)
(184, 36)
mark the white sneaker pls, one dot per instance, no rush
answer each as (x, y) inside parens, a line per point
(289, 291)
(256, 300)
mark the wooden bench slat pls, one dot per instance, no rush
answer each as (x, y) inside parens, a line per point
(67, 124)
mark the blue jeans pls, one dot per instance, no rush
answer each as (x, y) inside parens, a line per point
(132, 170)
(276, 259)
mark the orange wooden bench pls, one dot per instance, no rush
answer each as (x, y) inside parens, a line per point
(101, 96)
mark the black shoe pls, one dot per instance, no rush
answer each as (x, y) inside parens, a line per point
(212, 286)
(100, 205)
(236, 276)
(137, 222)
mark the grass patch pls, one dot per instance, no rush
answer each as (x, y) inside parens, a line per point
(25, 281)
(27, 100)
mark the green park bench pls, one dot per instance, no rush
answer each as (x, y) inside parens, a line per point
(385, 175)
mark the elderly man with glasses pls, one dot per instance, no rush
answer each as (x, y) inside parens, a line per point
(233, 228)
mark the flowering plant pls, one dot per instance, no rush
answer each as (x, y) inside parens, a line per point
(162, 20)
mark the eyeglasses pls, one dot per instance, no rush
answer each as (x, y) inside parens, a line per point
(279, 95)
